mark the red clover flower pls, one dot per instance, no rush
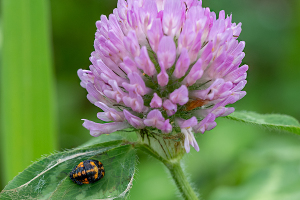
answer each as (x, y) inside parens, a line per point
(168, 65)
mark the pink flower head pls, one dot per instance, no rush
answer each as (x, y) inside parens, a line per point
(159, 64)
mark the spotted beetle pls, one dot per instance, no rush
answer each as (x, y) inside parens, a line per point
(87, 171)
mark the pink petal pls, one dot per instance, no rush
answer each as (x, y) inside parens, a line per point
(187, 123)
(156, 101)
(166, 127)
(170, 107)
(109, 114)
(182, 64)
(180, 95)
(143, 62)
(207, 123)
(166, 52)
(163, 77)
(155, 34)
(154, 119)
(135, 102)
(136, 85)
(148, 13)
(172, 17)
(195, 73)
(97, 129)
(131, 43)
(133, 120)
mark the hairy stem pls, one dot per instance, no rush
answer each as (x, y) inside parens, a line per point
(181, 181)
(175, 169)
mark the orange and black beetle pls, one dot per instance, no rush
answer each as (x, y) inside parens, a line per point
(88, 171)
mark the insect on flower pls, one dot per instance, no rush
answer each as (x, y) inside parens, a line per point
(191, 105)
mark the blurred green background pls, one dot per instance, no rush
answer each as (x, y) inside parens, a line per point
(235, 161)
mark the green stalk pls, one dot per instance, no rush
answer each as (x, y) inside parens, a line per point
(175, 169)
(28, 124)
(181, 181)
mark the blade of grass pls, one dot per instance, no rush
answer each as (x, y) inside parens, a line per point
(1, 182)
(27, 92)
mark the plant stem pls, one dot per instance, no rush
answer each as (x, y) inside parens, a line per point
(181, 181)
(175, 169)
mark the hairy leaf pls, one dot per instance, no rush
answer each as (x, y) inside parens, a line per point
(271, 121)
(48, 178)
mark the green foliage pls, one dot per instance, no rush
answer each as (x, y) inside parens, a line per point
(271, 121)
(235, 160)
(28, 124)
(269, 170)
(48, 178)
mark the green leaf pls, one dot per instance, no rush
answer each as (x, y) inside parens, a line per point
(48, 178)
(125, 134)
(271, 121)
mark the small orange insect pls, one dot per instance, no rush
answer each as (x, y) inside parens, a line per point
(87, 171)
(191, 105)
